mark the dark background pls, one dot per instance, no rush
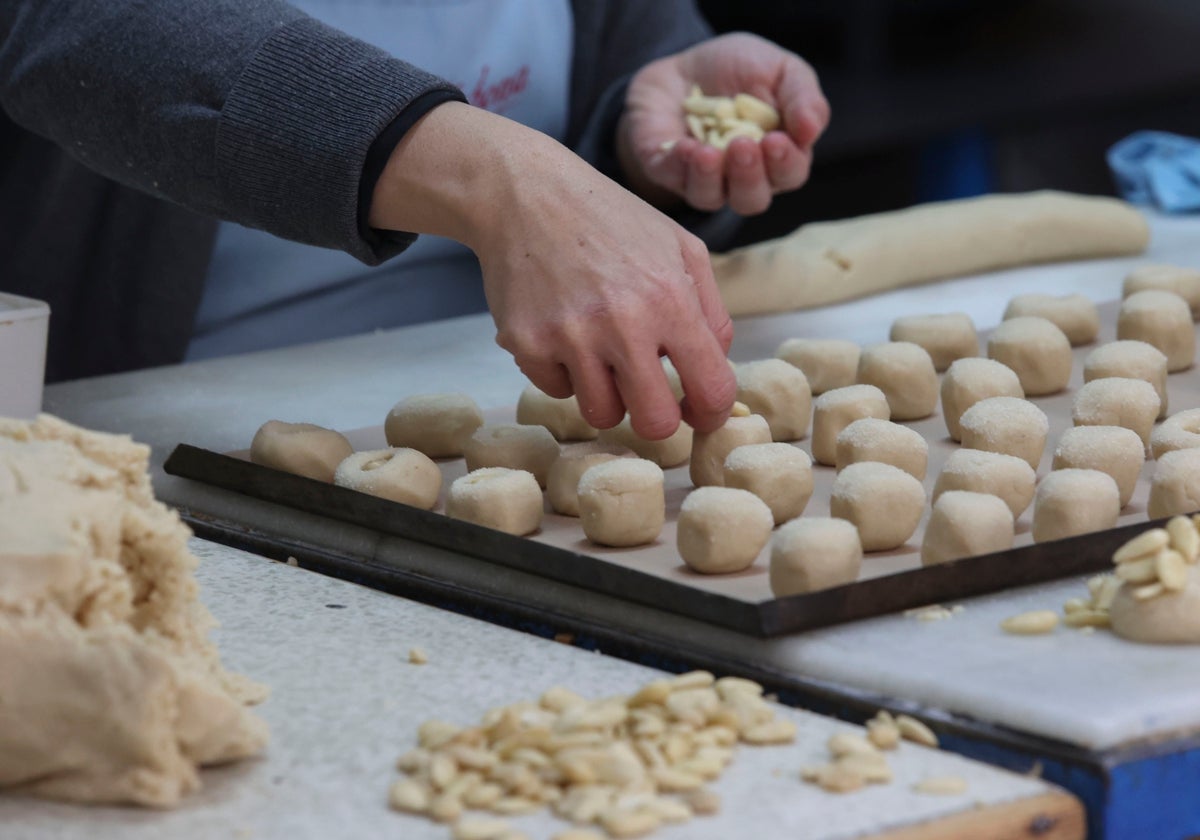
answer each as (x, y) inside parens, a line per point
(936, 99)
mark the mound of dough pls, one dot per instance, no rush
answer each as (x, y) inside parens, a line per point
(1184, 282)
(1115, 401)
(778, 473)
(946, 337)
(834, 410)
(1006, 476)
(562, 482)
(965, 524)
(1175, 485)
(1170, 618)
(884, 502)
(300, 448)
(970, 380)
(668, 452)
(778, 392)
(1006, 425)
(1130, 360)
(621, 502)
(399, 475)
(508, 500)
(872, 439)
(1179, 431)
(1162, 319)
(437, 424)
(517, 447)
(827, 363)
(709, 449)
(812, 554)
(722, 529)
(1112, 449)
(1037, 351)
(905, 374)
(561, 416)
(1076, 315)
(1071, 502)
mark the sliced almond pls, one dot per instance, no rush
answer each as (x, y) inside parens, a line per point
(1087, 618)
(849, 743)
(779, 731)
(1145, 543)
(942, 785)
(410, 796)
(1030, 623)
(1172, 569)
(1150, 590)
(703, 801)
(479, 828)
(1184, 538)
(621, 823)
(762, 114)
(1142, 570)
(914, 730)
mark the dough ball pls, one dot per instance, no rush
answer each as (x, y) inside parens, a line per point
(1115, 450)
(835, 410)
(673, 380)
(722, 529)
(1006, 476)
(1037, 351)
(945, 337)
(779, 393)
(1184, 282)
(437, 424)
(1175, 485)
(812, 554)
(1170, 618)
(871, 439)
(827, 363)
(561, 417)
(778, 473)
(1130, 360)
(562, 482)
(1076, 315)
(1008, 425)
(300, 448)
(1072, 502)
(965, 524)
(669, 452)
(905, 374)
(1131, 403)
(883, 502)
(401, 475)
(970, 380)
(529, 448)
(621, 502)
(1162, 319)
(1179, 431)
(497, 497)
(709, 449)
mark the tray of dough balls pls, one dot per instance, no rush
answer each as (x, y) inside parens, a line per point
(849, 482)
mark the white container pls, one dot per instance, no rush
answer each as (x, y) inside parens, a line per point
(23, 326)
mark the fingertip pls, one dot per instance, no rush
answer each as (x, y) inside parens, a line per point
(658, 424)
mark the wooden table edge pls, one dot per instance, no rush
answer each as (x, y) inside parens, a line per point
(1049, 816)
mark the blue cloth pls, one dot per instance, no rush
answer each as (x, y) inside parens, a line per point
(1158, 169)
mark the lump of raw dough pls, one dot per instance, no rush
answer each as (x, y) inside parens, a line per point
(779, 393)
(300, 448)
(778, 473)
(437, 424)
(883, 502)
(905, 374)
(1112, 449)
(966, 524)
(1179, 431)
(1175, 485)
(970, 380)
(722, 529)
(835, 410)
(401, 475)
(1130, 403)
(1071, 502)
(1162, 319)
(508, 500)
(1184, 282)
(562, 482)
(826, 363)
(529, 448)
(1006, 476)
(1037, 351)
(621, 502)
(561, 416)
(1076, 315)
(113, 691)
(871, 439)
(1008, 425)
(1131, 360)
(812, 554)
(709, 449)
(1169, 618)
(668, 452)
(946, 337)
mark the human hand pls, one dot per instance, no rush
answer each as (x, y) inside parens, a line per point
(664, 162)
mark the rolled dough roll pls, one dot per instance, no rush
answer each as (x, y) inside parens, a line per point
(946, 337)
(965, 524)
(560, 416)
(1132, 360)
(970, 380)
(621, 502)
(668, 452)
(562, 482)
(812, 554)
(399, 475)
(497, 497)
(827, 363)
(1179, 431)
(1162, 319)
(437, 424)
(529, 448)
(905, 374)
(1175, 485)
(1072, 502)
(778, 473)
(1184, 282)
(300, 448)
(1076, 315)
(778, 392)
(1112, 449)
(884, 502)
(1037, 351)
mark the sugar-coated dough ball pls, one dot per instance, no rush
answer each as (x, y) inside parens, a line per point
(778, 473)
(965, 524)
(437, 424)
(835, 410)
(1179, 431)
(668, 452)
(300, 448)
(401, 475)
(779, 393)
(1131, 360)
(1115, 450)
(621, 502)
(497, 497)
(970, 380)
(946, 337)
(1006, 476)
(1170, 618)
(1008, 425)
(1184, 282)
(562, 482)
(722, 529)
(1175, 485)
(529, 448)
(826, 363)
(884, 502)
(1076, 315)
(1131, 403)
(561, 416)
(905, 374)
(872, 439)
(1037, 351)
(709, 449)
(812, 554)
(1072, 502)
(1162, 319)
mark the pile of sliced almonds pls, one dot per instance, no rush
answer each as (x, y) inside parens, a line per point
(858, 760)
(716, 120)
